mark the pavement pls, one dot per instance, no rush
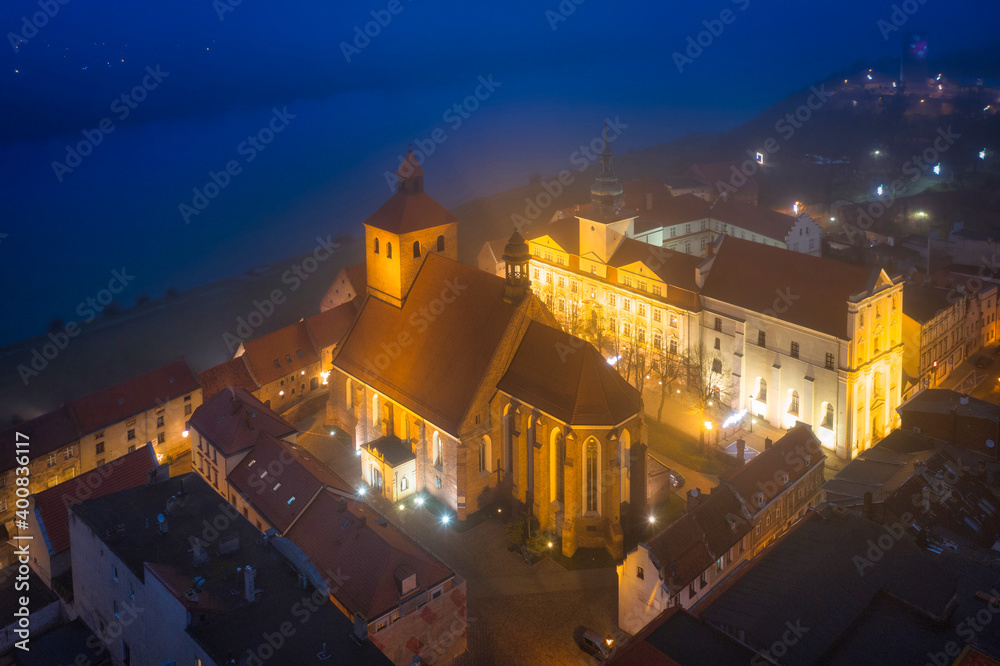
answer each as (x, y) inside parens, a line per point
(517, 614)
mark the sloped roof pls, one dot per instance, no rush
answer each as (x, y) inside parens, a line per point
(944, 401)
(46, 433)
(392, 449)
(763, 221)
(568, 378)
(406, 212)
(290, 346)
(673, 267)
(233, 373)
(136, 395)
(753, 275)
(437, 374)
(565, 233)
(327, 328)
(273, 481)
(355, 277)
(691, 544)
(232, 419)
(787, 455)
(51, 505)
(922, 303)
(342, 535)
(677, 638)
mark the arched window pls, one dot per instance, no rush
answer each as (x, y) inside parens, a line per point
(793, 403)
(657, 340)
(484, 454)
(641, 335)
(828, 417)
(349, 395)
(562, 305)
(376, 246)
(591, 478)
(673, 345)
(404, 483)
(436, 449)
(625, 462)
(416, 249)
(388, 250)
(376, 415)
(762, 390)
(440, 243)
(557, 459)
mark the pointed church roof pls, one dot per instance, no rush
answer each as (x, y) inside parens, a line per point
(410, 166)
(567, 378)
(406, 212)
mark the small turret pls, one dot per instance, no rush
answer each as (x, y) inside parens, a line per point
(517, 257)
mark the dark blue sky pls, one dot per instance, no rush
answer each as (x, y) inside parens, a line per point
(352, 120)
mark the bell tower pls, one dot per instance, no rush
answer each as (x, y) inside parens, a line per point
(403, 231)
(517, 257)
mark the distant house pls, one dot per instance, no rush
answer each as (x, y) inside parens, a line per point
(750, 509)
(349, 282)
(955, 418)
(935, 333)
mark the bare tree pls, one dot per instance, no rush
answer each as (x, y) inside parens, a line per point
(669, 369)
(709, 378)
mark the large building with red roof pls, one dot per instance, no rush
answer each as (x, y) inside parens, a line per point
(471, 374)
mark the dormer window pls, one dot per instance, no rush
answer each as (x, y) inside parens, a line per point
(784, 478)
(758, 498)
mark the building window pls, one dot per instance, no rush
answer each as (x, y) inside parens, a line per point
(640, 574)
(626, 329)
(626, 305)
(591, 479)
(126, 652)
(761, 390)
(114, 574)
(718, 343)
(761, 339)
(161, 437)
(52, 460)
(68, 453)
(687, 247)
(828, 417)
(673, 320)
(628, 280)
(611, 300)
(793, 403)
(573, 287)
(561, 281)
(641, 335)
(131, 591)
(718, 324)
(115, 608)
(482, 454)
(795, 350)
(440, 244)
(404, 484)
(640, 309)
(187, 410)
(716, 365)
(829, 361)
(416, 249)
(702, 240)
(436, 449)
(376, 246)
(537, 274)
(673, 345)
(548, 278)
(388, 250)
(657, 315)
(657, 340)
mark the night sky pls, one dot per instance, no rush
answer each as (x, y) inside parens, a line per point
(347, 122)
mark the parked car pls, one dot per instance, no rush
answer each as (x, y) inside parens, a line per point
(983, 362)
(594, 644)
(676, 479)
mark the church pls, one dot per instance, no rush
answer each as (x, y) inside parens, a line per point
(461, 384)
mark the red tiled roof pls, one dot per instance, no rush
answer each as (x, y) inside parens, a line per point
(233, 373)
(129, 471)
(450, 352)
(690, 545)
(273, 481)
(45, 434)
(327, 328)
(343, 536)
(134, 396)
(232, 419)
(762, 474)
(568, 378)
(407, 212)
(290, 346)
(753, 275)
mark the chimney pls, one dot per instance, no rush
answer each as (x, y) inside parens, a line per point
(767, 443)
(867, 512)
(694, 498)
(964, 399)
(741, 447)
(198, 551)
(249, 580)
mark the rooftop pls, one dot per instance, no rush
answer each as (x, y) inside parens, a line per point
(233, 373)
(923, 303)
(367, 552)
(567, 378)
(134, 396)
(391, 449)
(131, 470)
(328, 327)
(232, 419)
(406, 212)
(284, 352)
(46, 433)
(677, 638)
(944, 401)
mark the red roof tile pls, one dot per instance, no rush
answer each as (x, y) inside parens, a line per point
(787, 455)
(46, 433)
(752, 275)
(232, 419)
(283, 352)
(450, 351)
(343, 536)
(407, 212)
(568, 378)
(234, 373)
(327, 328)
(274, 482)
(134, 396)
(129, 471)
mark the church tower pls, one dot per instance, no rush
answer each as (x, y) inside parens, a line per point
(400, 235)
(607, 223)
(516, 256)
